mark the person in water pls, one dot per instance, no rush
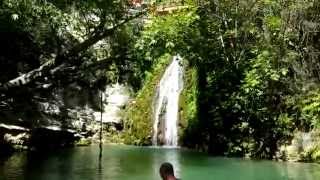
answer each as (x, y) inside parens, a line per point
(166, 171)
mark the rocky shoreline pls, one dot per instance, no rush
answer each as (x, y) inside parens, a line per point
(17, 138)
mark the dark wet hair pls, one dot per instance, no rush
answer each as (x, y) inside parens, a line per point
(166, 169)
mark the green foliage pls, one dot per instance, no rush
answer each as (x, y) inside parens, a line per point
(250, 72)
(309, 107)
(252, 66)
(188, 107)
(162, 36)
(63, 38)
(83, 142)
(316, 155)
(165, 34)
(139, 113)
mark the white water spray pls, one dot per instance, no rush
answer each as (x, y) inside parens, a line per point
(166, 105)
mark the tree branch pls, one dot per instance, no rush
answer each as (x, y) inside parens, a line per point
(44, 69)
(101, 64)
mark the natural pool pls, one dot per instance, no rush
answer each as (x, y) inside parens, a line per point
(140, 163)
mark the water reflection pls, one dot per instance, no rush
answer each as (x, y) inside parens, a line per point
(100, 172)
(294, 171)
(166, 154)
(13, 167)
(134, 163)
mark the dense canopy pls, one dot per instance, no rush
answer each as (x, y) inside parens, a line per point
(252, 67)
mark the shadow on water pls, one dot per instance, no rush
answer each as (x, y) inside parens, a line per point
(49, 165)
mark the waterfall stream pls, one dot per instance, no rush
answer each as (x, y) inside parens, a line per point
(166, 105)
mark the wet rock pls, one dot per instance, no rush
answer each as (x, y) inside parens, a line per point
(13, 138)
(19, 141)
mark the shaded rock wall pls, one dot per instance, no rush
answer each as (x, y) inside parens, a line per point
(62, 116)
(305, 146)
(20, 138)
(115, 98)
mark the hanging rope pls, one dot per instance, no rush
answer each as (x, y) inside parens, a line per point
(100, 134)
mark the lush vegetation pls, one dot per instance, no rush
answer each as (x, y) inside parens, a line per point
(252, 67)
(56, 50)
(257, 68)
(188, 113)
(139, 113)
(55, 57)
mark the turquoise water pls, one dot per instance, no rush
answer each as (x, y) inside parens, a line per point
(136, 163)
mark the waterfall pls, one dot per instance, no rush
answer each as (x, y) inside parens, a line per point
(166, 105)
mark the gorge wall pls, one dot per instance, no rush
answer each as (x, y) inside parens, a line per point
(68, 115)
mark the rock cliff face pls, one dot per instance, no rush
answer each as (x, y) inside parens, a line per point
(61, 117)
(305, 146)
(115, 98)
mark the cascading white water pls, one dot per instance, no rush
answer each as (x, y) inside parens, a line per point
(166, 104)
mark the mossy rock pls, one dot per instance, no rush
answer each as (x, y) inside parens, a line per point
(83, 142)
(188, 105)
(139, 113)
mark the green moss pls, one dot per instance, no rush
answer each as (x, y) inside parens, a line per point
(112, 135)
(310, 155)
(316, 155)
(138, 115)
(83, 142)
(188, 104)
